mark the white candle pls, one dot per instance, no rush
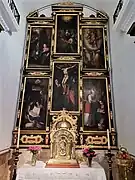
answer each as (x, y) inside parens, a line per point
(18, 137)
(108, 137)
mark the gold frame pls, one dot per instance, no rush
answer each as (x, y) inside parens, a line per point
(108, 106)
(22, 102)
(85, 26)
(29, 42)
(73, 112)
(78, 37)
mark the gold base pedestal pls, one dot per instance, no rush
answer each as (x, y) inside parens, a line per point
(62, 163)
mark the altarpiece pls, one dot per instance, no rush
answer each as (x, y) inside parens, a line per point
(66, 68)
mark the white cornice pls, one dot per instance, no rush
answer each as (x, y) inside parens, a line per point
(7, 19)
(126, 16)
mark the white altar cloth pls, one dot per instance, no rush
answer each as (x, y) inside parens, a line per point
(27, 172)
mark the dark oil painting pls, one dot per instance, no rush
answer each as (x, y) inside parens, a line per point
(40, 47)
(34, 110)
(67, 39)
(93, 48)
(95, 104)
(65, 87)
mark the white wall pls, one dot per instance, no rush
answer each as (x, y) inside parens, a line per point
(123, 63)
(11, 51)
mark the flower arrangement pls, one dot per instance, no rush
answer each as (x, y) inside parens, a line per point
(34, 149)
(89, 152)
(123, 154)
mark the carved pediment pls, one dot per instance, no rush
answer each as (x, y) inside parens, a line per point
(64, 120)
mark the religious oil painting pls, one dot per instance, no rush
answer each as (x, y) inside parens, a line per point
(95, 104)
(67, 34)
(34, 107)
(93, 48)
(65, 93)
(39, 47)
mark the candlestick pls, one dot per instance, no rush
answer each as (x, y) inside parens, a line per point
(18, 138)
(108, 137)
(16, 154)
(109, 158)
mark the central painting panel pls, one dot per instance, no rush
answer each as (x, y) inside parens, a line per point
(67, 36)
(65, 93)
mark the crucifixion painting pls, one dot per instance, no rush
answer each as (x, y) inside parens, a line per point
(65, 86)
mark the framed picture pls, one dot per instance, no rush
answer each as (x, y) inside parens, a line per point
(34, 103)
(93, 48)
(67, 34)
(39, 47)
(95, 104)
(65, 84)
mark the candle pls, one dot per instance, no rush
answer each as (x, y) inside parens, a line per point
(108, 137)
(18, 137)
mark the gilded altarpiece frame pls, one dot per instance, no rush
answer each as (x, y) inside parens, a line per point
(84, 66)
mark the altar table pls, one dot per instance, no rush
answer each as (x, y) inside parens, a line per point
(39, 172)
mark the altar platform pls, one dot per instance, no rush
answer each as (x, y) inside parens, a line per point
(39, 172)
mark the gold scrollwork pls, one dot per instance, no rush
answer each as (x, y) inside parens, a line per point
(81, 128)
(47, 128)
(37, 73)
(65, 115)
(68, 3)
(65, 58)
(31, 139)
(43, 22)
(94, 74)
(49, 105)
(96, 140)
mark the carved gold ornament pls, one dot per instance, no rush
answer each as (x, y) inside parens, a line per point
(68, 3)
(94, 74)
(81, 139)
(96, 140)
(113, 140)
(63, 136)
(67, 18)
(37, 73)
(65, 58)
(25, 139)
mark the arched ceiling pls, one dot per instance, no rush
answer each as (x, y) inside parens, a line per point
(107, 6)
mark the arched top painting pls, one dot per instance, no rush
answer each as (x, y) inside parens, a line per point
(66, 68)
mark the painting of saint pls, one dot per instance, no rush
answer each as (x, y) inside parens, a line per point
(40, 47)
(66, 38)
(65, 87)
(95, 106)
(34, 110)
(93, 48)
